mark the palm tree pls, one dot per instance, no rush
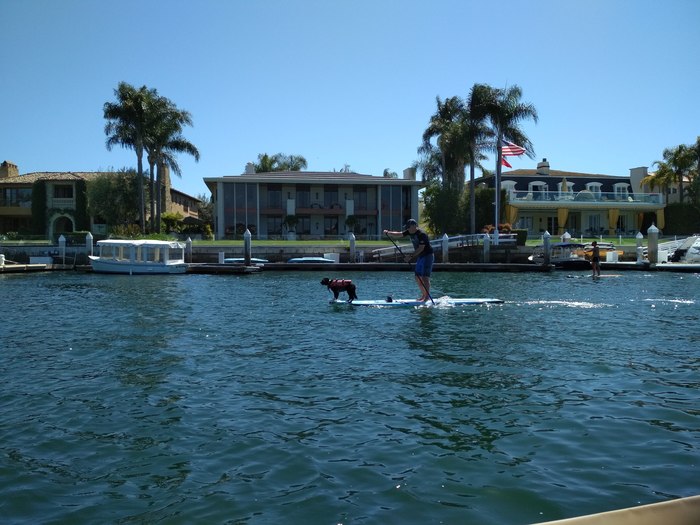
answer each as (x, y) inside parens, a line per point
(477, 136)
(679, 161)
(505, 112)
(291, 162)
(445, 126)
(279, 162)
(663, 177)
(164, 141)
(127, 127)
(265, 163)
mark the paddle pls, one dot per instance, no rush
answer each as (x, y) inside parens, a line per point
(420, 278)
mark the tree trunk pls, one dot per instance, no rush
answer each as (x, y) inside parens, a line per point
(159, 196)
(142, 198)
(472, 201)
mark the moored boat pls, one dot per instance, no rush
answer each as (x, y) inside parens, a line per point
(574, 255)
(139, 257)
(568, 255)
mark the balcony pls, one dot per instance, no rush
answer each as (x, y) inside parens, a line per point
(62, 203)
(582, 199)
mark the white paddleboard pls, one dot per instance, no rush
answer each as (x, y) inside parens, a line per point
(439, 301)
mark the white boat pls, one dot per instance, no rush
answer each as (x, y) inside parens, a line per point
(310, 260)
(241, 260)
(688, 251)
(573, 255)
(138, 257)
(568, 255)
(681, 511)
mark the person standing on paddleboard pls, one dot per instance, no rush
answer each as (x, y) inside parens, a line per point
(595, 259)
(423, 254)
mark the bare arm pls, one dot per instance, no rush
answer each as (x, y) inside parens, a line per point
(390, 233)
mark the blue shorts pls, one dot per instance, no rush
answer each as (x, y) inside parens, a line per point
(424, 265)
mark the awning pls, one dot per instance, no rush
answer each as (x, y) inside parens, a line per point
(562, 216)
(511, 214)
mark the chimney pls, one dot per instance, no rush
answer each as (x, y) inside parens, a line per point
(249, 168)
(543, 167)
(409, 174)
(8, 170)
(636, 176)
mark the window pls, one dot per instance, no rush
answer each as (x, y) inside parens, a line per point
(360, 197)
(539, 190)
(330, 196)
(303, 196)
(274, 225)
(63, 191)
(330, 225)
(594, 188)
(621, 191)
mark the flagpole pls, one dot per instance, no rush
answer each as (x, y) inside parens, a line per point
(499, 150)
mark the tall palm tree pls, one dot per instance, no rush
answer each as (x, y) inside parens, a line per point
(127, 127)
(663, 177)
(477, 136)
(680, 161)
(163, 142)
(446, 128)
(505, 112)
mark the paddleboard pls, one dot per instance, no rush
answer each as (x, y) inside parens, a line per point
(593, 276)
(439, 301)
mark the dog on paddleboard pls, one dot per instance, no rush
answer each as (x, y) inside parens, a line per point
(341, 285)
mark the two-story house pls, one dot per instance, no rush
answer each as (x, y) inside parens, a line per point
(323, 204)
(65, 206)
(542, 199)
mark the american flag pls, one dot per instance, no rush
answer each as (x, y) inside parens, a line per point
(510, 149)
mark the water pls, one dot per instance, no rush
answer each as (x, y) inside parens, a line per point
(222, 399)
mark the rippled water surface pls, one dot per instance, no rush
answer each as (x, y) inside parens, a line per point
(221, 399)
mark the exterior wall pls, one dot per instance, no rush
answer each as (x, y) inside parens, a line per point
(322, 207)
(61, 200)
(577, 203)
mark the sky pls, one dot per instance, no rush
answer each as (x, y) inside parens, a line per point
(350, 83)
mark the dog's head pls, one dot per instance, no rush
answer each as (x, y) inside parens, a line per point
(325, 281)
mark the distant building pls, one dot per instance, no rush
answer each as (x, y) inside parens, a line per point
(323, 204)
(543, 199)
(62, 201)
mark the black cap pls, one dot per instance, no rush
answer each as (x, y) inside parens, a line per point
(411, 222)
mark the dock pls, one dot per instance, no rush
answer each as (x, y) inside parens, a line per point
(376, 267)
(23, 268)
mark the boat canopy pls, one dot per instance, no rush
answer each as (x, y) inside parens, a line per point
(147, 243)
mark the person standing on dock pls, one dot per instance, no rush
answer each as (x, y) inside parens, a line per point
(423, 254)
(595, 259)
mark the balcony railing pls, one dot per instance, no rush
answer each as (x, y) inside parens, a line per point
(584, 196)
(66, 204)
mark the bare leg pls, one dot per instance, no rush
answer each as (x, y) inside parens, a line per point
(424, 287)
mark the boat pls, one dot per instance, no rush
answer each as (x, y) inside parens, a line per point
(681, 511)
(137, 257)
(688, 252)
(607, 250)
(574, 255)
(568, 255)
(310, 260)
(438, 301)
(241, 260)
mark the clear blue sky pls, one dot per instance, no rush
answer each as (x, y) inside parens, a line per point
(614, 81)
